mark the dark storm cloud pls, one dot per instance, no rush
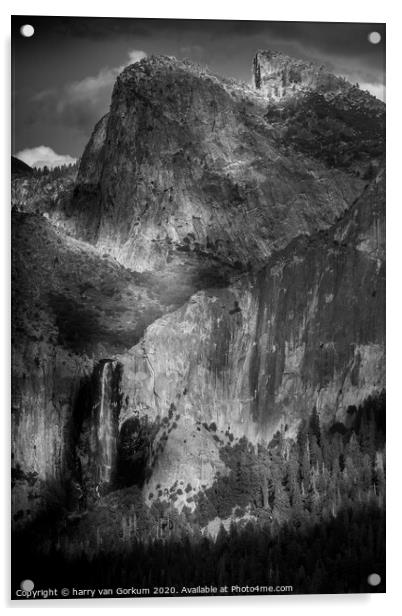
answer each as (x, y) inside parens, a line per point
(90, 28)
(101, 28)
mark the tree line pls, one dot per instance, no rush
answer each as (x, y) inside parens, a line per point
(306, 511)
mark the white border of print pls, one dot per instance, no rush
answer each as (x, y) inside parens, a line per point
(292, 10)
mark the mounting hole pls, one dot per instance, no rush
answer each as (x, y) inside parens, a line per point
(27, 585)
(374, 579)
(374, 38)
(27, 30)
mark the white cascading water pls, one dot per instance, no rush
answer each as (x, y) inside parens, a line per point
(105, 425)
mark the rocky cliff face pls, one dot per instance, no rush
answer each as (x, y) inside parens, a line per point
(279, 76)
(202, 283)
(186, 169)
(259, 355)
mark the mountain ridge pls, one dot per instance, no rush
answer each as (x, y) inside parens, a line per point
(217, 286)
(19, 168)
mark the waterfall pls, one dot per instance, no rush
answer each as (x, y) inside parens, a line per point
(106, 429)
(96, 447)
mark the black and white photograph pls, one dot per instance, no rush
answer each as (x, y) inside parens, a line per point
(198, 308)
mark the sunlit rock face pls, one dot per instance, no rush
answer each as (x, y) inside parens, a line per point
(200, 283)
(188, 172)
(278, 76)
(46, 382)
(307, 331)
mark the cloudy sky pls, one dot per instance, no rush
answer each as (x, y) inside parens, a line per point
(63, 75)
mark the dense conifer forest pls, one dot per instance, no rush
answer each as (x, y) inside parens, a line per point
(310, 514)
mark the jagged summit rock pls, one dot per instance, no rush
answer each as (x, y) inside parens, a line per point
(279, 76)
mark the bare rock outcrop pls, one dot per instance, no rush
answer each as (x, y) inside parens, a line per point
(279, 76)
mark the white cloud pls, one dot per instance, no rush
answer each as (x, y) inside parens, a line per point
(92, 88)
(135, 56)
(43, 156)
(376, 89)
(81, 103)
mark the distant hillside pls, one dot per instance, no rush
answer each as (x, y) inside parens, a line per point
(18, 167)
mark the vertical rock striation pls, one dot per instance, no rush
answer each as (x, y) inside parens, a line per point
(46, 381)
